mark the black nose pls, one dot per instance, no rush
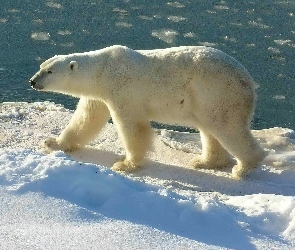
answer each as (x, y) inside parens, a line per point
(32, 83)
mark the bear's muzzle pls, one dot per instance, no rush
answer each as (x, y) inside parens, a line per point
(35, 86)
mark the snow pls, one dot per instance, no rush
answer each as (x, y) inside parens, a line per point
(74, 201)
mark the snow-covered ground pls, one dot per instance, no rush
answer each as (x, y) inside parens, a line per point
(74, 201)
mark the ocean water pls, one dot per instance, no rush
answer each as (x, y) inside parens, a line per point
(260, 34)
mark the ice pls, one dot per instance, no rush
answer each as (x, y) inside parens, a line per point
(124, 24)
(3, 20)
(75, 201)
(282, 42)
(274, 50)
(207, 44)
(259, 25)
(230, 39)
(41, 36)
(221, 7)
(176, 4)
(176, 19)
(54, 5)
(64, 32)
(279, 97)
(166, 35)
(189, 34)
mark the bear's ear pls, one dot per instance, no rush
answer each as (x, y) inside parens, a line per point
(73, 65)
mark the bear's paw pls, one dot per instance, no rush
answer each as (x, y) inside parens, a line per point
(49, 145)
(238, 172)
(125, 166)
(211, 163)
(52, 144)
(199, 162)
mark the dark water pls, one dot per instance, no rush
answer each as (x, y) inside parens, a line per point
(260, 34)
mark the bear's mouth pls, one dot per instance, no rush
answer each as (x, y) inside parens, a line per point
(32, 83)
(35, 86)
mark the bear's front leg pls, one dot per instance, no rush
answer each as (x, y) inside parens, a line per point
(88, 119)
(136, 137)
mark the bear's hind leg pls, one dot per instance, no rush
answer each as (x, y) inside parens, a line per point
(243, 146)
(137, 138)
(88, 119)
(213, 154)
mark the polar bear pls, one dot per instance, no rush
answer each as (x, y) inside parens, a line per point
(194, 86)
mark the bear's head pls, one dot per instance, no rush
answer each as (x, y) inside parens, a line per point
(55, 74)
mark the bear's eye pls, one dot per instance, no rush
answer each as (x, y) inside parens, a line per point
(49, 71)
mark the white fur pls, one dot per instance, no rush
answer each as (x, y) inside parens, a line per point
(193, 86)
